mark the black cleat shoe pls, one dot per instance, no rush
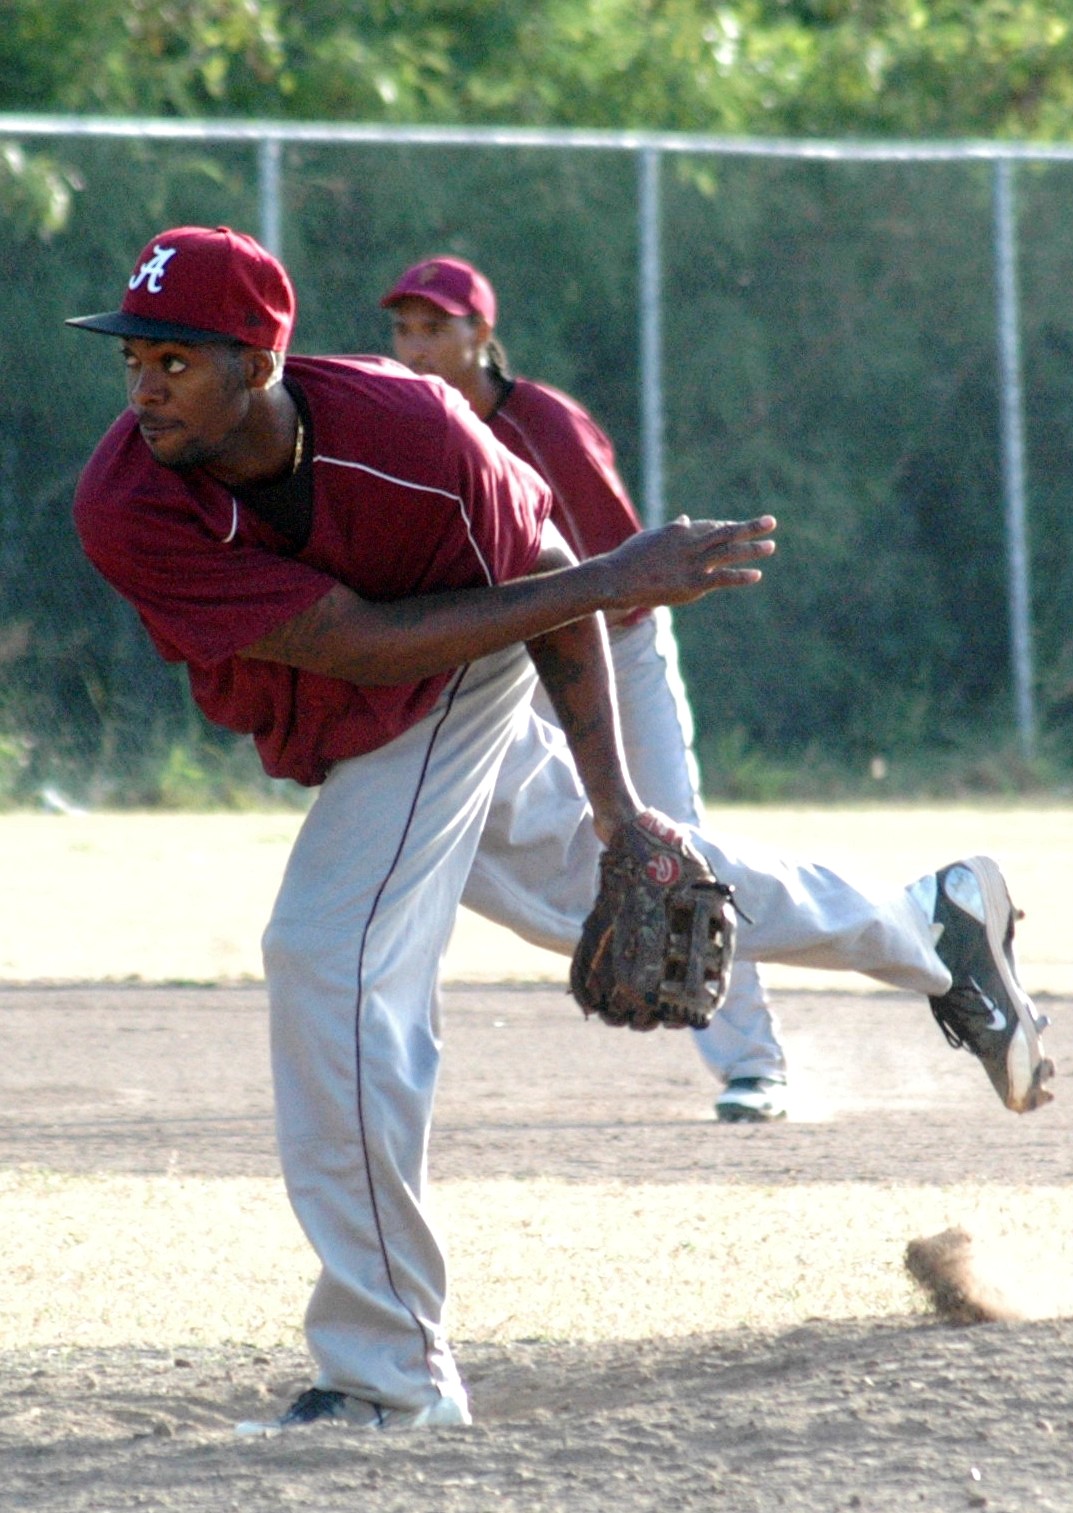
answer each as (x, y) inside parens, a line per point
(324, 1405)
(986, 1009)
(317, 1404)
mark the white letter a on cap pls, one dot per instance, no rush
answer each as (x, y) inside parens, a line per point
(153, 270)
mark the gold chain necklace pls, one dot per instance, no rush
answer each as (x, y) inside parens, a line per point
(299, 446)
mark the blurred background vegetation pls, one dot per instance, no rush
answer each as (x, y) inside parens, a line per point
(829, 329)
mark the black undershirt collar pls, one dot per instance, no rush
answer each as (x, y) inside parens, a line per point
(287, 504)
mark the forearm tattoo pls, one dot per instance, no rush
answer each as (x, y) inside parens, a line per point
(568, 663)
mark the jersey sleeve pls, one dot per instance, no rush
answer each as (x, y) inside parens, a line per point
(559, 437)
(203, 588)
(504, 500)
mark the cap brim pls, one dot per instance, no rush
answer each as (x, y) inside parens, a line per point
(448, 306)
(119, 323)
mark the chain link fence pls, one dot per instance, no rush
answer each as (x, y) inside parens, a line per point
(872, 341)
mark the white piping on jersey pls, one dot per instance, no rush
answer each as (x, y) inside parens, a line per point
(545, 473)
(422, 488)
(233, 532)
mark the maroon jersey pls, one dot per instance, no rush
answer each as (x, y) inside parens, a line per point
(410, 495)
(555, 435)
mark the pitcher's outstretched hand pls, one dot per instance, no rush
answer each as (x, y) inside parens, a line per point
(687, 559)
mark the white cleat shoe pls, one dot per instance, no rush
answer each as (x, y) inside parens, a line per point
(751, 1100)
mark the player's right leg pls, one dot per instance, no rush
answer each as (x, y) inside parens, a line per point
(949, 936)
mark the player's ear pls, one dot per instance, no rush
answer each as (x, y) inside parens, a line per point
(261, 367)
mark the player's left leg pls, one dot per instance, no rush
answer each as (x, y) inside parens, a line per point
(352, 954)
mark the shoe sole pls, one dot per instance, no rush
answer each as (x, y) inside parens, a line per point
(1026, 1064)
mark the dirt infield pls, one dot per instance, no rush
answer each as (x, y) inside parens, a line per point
(651, 1311)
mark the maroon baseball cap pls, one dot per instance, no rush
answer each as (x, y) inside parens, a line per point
(203, 284)
(447, 282)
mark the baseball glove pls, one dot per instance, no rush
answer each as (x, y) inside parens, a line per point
(657, 944)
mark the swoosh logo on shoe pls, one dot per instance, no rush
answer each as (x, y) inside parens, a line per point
(998, 1018)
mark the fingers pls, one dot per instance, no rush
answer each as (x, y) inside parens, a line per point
(688, 558)
(728, 532)
(730, 543)
(716, 578)
(722, 543)
(759, 525)
(731, 577)
(724, 546)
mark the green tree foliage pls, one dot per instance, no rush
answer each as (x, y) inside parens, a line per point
(142, 57)
(35, 192)
(793, 67)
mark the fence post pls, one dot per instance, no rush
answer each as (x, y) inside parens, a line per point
(651, 335)
(268, 174)
(1011, 420)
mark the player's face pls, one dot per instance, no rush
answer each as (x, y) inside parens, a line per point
(189, 400)
(428, 340)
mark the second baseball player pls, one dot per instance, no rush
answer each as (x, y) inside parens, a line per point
(443, 315)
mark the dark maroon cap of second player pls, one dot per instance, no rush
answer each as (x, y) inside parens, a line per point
(454, 286)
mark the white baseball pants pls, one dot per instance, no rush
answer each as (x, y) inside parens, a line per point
(352, 955)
